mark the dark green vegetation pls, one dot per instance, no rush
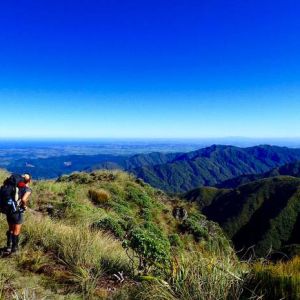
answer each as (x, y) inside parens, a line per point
(264, 213)
(175, 172)
(291, 169)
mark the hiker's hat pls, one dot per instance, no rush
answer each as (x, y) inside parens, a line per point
(27, 178)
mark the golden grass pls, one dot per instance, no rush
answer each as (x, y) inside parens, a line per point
(86, 255)
(99, 196)
(197, 276)
(3, 175)
(279, 280)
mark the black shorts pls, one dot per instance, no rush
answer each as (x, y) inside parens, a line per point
(15, 218)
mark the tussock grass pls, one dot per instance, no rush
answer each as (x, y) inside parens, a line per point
(279, 280)
(203, 276)
(76, 245)
(6, 275)
(86, 255)
(196, 277)
(99, 196)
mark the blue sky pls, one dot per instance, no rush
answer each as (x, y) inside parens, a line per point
(166, 69)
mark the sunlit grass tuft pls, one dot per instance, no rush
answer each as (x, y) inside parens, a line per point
(279, 280)
(86, 255)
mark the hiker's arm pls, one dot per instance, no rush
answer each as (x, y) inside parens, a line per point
(25, 198)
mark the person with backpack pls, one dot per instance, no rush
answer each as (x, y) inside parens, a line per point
(14, 195)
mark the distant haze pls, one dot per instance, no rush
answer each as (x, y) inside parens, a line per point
(62, 146)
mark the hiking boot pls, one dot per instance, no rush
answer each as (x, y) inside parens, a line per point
(15, 243)
(9, 240)
(6, 251)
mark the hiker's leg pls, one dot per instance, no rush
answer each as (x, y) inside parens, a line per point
(11, 227)
(15, 237)
(9, 233)
(19, 218)
(10, 223)
(15, 243)
(17, 229)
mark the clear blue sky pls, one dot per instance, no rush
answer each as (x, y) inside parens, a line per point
(107, 68)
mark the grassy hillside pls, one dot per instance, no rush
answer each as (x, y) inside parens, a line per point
(85, 230)
(264, 213)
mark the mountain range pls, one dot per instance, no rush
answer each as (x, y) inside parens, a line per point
(213, 165)
(171, 172)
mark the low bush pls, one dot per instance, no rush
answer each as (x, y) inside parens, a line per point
(175, 240)
(193, 226)
(151, 250)
(121, 209)
(139, 197)
(154, 229)
(111, 225)
(146, 214)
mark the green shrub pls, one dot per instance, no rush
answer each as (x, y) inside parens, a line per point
(112, 225)
(139, 197)
(146, 214)
(175, 240)
(193, 226)
(129, 223)
(68, 201)
(153, 228)
(150, 249)
(121, 208)
(81, 178)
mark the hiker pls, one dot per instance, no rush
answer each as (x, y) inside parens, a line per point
(17, 207)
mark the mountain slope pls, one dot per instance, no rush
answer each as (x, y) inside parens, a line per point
(212, 165)
(292, 169)
(264, 213)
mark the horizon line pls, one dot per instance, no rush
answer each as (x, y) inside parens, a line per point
(147, 138)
